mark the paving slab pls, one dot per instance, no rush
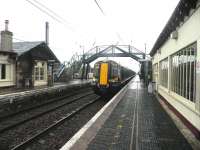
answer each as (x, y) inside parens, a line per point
(139, 122)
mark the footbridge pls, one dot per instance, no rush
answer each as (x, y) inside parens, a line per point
(114, 51)
(82, 63)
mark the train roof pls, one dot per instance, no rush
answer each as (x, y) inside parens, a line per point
(113, 62)
(107, 61)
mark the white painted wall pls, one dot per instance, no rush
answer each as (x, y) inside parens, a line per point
(10, 72)
(198, 76)
(188, 33)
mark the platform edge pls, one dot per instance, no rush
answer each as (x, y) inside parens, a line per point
(90, 129)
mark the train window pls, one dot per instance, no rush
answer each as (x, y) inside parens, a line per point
(96, 70)
(183, 72)
(115, 71)
(164, 72)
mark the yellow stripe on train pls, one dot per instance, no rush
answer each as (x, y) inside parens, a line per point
(104, 74)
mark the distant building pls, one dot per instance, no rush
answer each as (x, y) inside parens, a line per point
(176, 62)
(25, 64)
(7, 59)
(35, 64)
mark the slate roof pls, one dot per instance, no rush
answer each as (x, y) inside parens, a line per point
(22, 47)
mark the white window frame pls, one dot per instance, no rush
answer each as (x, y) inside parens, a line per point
(6, 76)
(40, 77)
(184, 74)
(163, 72)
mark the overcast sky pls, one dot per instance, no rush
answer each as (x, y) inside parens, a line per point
(124, 21)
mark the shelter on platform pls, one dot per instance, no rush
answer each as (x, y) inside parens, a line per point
(34, 64)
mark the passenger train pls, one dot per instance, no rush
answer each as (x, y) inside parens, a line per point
(110, 76)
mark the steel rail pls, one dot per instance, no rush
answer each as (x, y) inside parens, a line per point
(37, 106)
(43, 113)
(68, 116)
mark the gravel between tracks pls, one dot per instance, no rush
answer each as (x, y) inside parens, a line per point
(35, 102)
(29, 113)
(59, 136)
(10, 138)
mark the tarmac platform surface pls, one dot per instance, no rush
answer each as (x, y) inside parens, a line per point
(139, 122)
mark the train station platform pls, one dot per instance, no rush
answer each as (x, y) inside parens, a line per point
(133, 120)
(20, 94)
(14, 91)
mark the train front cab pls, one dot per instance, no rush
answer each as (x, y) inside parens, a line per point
(101, 73)
(107, 76)
(103, 79)
(102, 84)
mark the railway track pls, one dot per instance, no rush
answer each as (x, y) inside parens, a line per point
(11, 134)
(12, 125)
(68, 116)
(52, 100)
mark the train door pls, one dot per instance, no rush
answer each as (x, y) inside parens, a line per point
(103, 74)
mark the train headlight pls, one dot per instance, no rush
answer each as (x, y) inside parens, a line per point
(112, 80)
(93, 79)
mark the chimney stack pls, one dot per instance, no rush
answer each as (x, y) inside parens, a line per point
(6, 38)
(47, 33)
(6, 25)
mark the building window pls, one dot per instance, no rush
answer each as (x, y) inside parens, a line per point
(2, 71)
(39, 73)
(155, 72)
(164, 72)
(183, 72)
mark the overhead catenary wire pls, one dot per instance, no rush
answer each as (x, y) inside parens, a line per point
(119, 36)
(18, 39)
(50, 10)
(117, 33)
(42, 10)
(50, 13)
(99, 7)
